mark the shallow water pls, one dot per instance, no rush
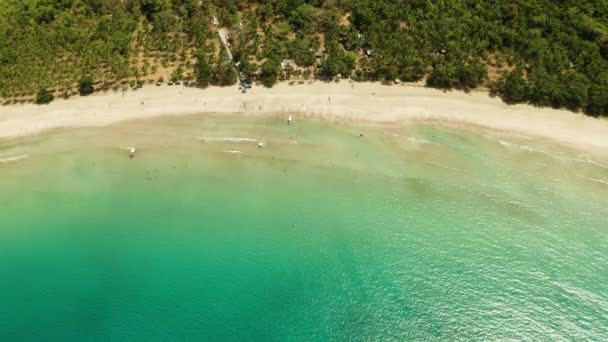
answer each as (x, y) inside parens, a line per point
(416, 232)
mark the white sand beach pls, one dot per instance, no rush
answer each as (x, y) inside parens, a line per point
(352, 101)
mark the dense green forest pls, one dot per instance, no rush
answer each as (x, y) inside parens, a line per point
(545, 52)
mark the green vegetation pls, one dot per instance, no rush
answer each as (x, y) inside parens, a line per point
(512, 86)
(44, 96)
(202, 71)
(269, 73)
(85, 86)
(223, 74)
(544, 52)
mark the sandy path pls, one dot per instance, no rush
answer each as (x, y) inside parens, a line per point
(359, 101)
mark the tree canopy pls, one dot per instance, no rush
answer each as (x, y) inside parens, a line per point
(544, 52)
(43, 96)
(85, 86)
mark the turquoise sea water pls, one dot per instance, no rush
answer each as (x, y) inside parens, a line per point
(416, 232)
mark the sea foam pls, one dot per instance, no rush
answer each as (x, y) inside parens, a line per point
(226, 139)
(594, 179)
(585, 159)
(13, 158)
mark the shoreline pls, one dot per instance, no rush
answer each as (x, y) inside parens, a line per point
(359, 102)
